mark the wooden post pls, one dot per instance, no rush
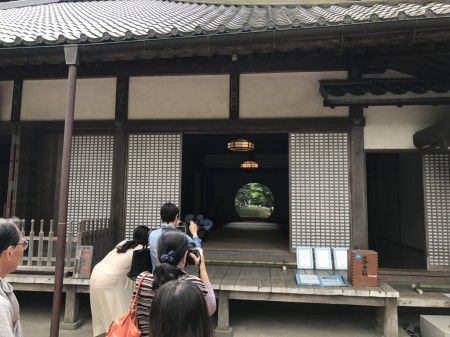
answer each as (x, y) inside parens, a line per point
(72, 58)
(119, 160)
(391, 318)
(13, 172)
(359, 227)
(223, 316)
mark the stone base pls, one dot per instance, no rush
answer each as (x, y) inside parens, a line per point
(224, 333)
(71, 326)
(434, 326)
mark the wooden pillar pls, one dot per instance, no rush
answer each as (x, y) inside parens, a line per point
(119, 159)
(71, 320)
(13, 173)
(391, 317)
(223, 316)
(358, 184)
(72, 58)
(234, 96)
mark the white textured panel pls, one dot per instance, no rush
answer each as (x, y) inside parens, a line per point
(320, 205)
(46, 99)
(285, 95)
(390, 127)
(90, 177)
(179, 97)
(154, 178)
(437, 199)
(6, 96)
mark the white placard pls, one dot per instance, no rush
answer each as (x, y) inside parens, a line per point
(340, 258)
(323, 258)
(304, 258)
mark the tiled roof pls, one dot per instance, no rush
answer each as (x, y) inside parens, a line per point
(367, 92)
(120, 20)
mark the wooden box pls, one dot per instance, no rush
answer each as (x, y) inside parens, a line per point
(362, 268)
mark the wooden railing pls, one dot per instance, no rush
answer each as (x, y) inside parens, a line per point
(40, 257)
(97, 233)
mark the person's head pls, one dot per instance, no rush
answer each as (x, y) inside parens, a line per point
(18, 222)
(171, 251)
(169, 212)
(140, 237)
(172, 247)
(179, 310)
(12, 245)
(140, 234)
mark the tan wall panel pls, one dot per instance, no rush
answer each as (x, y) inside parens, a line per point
(179, 97)
(289, 95)
(46, 99)
(393, 128)
(6, 94)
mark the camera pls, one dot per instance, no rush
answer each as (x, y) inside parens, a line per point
(191, 249)
(182, 227)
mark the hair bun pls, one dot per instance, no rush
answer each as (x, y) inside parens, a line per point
(168, 258)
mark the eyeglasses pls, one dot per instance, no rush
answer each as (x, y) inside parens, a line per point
(24, 244)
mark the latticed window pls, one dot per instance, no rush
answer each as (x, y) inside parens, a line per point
(437, 201)
(154, 177)
(319, 180)
(90, 179)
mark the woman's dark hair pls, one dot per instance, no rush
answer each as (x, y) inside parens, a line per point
(9, 234)
(140, 237)
(171, 248)
(179, 310)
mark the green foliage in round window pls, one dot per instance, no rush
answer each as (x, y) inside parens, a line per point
(254, 201)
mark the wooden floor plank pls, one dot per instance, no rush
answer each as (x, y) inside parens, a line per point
(248, 279)
(219, 274)
(264, 280)
(231, 277)
(277, 280)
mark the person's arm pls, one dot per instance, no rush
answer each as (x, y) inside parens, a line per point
(203, 274)
(144, 302)
(210, 299)
(193, 229)
(5, 318)
(152, 247)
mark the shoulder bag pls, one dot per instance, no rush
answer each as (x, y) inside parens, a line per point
(127, 324)
(140, 262)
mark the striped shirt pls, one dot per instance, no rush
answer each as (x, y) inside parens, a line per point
(146, 295)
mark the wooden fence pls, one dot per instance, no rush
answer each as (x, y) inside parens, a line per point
(41, 254)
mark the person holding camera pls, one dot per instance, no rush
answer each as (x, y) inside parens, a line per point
(110, 288)
(170, 217)
(172, 253)
(179, 310)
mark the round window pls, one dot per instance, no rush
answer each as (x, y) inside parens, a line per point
(254, 201)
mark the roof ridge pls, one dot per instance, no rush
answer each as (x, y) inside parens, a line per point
(25, 3)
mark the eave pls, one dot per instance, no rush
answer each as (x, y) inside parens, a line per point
(376, 92)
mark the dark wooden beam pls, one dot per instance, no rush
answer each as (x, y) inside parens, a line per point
(16, 101)
(359, 223)
(234, 96)
(185, 66)
(240, 126)
(119, 158)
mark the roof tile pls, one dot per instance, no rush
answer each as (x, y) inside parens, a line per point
(103, 20)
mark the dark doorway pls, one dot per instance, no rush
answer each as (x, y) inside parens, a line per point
(396, 209)
(212, 176)
(5, 148)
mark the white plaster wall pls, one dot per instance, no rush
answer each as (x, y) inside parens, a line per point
(6, 94)
(286, 95)
(393, 127)
(179, 97)
(46, 99)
